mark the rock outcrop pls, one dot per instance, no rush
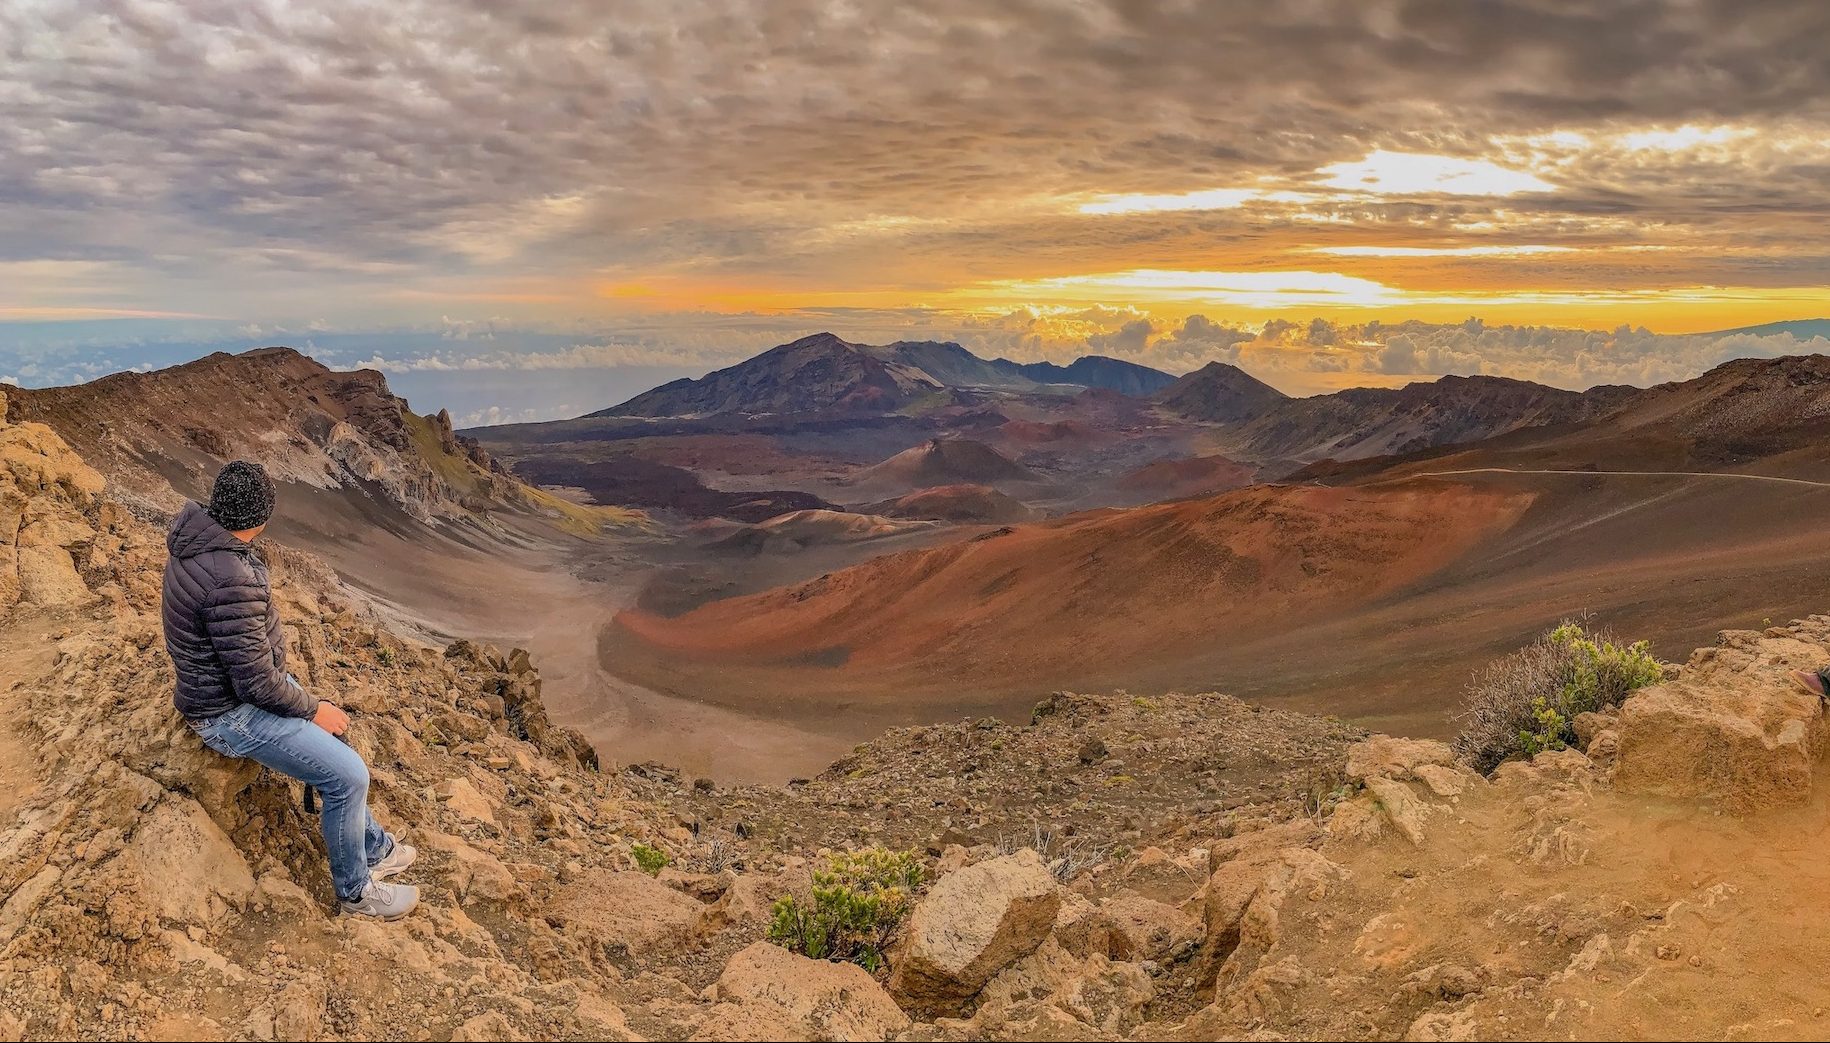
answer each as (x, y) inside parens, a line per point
(53, 522)
(1731, 726)
(973, 924)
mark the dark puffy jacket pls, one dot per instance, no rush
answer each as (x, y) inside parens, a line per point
(220, 626)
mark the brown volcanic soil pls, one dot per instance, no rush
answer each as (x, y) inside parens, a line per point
(941, 461)
(955, 503)
(800, 530)
(1068, 450)
(1055, 433)
(1672, 559)
(1668, 558)
(1034, 605)
(1195, 476)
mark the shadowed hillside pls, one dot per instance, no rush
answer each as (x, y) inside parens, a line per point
(336, 436)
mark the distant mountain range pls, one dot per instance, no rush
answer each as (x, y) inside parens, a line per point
(825, 373)
(1264, 424)
(1803, 329)
(954, 366)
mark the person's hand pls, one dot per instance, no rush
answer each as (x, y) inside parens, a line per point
(330, 718)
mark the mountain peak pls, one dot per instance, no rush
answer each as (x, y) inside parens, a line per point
(823, 339)
(1220, 393)
(823, 372)
(819, 373)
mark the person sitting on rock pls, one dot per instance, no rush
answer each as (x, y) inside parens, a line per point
(223, 633)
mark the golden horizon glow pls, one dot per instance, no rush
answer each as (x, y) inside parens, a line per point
(1251, 298)
(1441, 251)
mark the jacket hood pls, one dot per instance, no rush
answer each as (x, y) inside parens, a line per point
(194, 532)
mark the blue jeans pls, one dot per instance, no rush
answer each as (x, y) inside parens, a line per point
(297, 747)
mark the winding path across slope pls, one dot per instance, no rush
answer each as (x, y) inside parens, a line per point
(1643, 474)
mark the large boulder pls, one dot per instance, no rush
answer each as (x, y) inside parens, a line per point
(473, 875)
(48, 497)
(767, 992)
(1154, 873)
(629, 908)
(974, 923)
(463, 798)
(1732, 727)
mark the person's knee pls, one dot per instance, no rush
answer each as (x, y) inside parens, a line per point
(349, 780)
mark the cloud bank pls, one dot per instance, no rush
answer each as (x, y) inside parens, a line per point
(260, 160)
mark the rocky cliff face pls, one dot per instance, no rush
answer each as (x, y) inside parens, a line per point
(1116, 867)
(159, 437)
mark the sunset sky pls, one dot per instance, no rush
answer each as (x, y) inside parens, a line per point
(677, 184)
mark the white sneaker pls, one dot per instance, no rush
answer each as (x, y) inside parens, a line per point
(399, 858)
(384, 901)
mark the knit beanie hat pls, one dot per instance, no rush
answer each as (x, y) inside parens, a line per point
(242, 497)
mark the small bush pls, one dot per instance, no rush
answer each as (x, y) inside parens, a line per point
(650, 860)
(1066, 857)
(1527, 702)
(858, 902)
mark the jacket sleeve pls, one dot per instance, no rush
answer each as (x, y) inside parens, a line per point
(235, 615)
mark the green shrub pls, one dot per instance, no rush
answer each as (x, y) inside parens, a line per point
(1527, 702)
(858, 901)
(651, 860)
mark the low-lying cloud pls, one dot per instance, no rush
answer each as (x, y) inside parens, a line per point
(1300, 357)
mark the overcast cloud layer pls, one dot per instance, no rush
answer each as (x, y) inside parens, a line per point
(673, 184)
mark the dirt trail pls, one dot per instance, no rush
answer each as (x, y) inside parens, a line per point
(1642, 474)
